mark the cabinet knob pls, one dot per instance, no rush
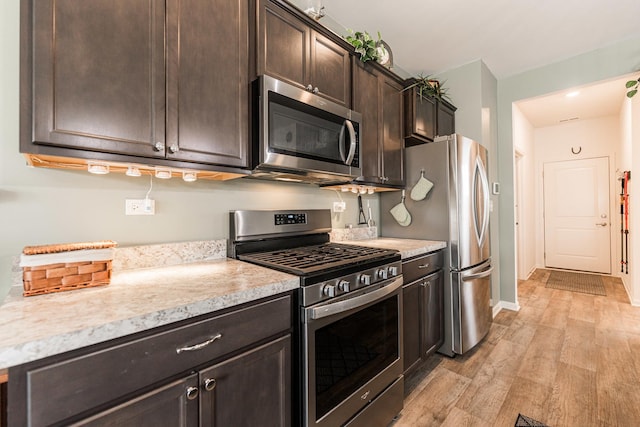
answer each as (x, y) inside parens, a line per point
(174, 148)
(309, 88)
(315, 90)
(192, 393)
(209, 384)
(158, 146)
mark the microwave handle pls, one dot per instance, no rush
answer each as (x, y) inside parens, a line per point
(352, 144)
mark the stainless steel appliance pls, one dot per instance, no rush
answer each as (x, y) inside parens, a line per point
(301, 136)
(455, 210)
(349, 325)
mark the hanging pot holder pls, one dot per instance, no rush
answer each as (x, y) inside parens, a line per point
(400, 213)
(422, 188)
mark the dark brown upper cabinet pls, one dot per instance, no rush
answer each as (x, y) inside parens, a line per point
(291, 50)
(377, 95)
(145, 80)
(426, 117)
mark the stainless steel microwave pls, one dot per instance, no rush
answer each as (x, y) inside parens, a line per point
(300, 136)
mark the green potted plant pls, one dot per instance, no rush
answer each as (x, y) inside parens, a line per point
(365, 45)
(632, 87)
(428, 87)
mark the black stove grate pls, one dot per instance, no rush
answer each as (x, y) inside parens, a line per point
(311, 259)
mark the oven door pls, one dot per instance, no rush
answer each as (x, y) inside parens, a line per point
(351, 352)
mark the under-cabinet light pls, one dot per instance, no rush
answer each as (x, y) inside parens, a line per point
(163, 173)
(189, 176)
(133, 171)
(98, 168)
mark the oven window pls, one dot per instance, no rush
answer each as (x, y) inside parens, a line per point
(292, 130)
(352, 350)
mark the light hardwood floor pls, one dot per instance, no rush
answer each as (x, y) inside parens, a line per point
(565, 359)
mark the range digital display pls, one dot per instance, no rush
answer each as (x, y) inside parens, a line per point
(290, 218)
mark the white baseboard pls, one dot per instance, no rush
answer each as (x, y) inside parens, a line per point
(636, 302)
(497, 308)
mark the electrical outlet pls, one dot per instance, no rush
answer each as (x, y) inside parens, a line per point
(339, 206)
(140, 207)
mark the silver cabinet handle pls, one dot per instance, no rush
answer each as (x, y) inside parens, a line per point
(315, 90)
(601, 224)
(424, 266)
(200, 346)
(192, 393)
(158, 146)
(309, 87)
(174, 148)
(209, 384)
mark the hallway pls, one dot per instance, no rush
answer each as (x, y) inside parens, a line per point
(565, 359)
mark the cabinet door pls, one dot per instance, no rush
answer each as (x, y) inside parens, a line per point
(208, 99)
(446, 119)
(330, 69)
(367, 101)
(433, 311)
(420, 118)
(251, 389)
(98, 74)
(392, 140)
(283, 45)
(171, 405)
(411, 319)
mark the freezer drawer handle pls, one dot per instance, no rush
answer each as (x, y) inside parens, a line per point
(424, 265)
(199, 346)
(480, 275)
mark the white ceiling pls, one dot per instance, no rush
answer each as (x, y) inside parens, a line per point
(511, 36)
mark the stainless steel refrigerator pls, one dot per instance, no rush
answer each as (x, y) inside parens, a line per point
(455, 210)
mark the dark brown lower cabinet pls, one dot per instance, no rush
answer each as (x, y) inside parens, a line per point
(249, 390)
(168, 405)
(229, 368)
(423, 314)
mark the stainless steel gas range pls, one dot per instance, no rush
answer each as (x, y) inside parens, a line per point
(348, 331)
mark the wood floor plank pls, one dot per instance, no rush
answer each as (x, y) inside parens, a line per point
(578, 348)
(539, 363)
(557, 313)
(524, 397)
(573, 393)
(441, 394)
(459, 418)
(582, 308)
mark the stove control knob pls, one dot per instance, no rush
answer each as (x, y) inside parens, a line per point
(329, 290)
(383, 273)
(365, 279)
(393, 271)
(343, 285)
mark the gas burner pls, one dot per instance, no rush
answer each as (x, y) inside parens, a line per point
(317, 258)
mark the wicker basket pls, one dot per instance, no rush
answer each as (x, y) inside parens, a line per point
(75, 266)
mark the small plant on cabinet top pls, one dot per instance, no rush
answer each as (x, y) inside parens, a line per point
(429, 88)
(364, 45)
(632, 87)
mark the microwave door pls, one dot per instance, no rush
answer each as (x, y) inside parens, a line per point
(352, 142)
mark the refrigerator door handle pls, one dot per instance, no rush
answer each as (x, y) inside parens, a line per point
(480, 275)
(481, 232)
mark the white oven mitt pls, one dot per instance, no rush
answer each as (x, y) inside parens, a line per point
(401, 214)
(421, 189)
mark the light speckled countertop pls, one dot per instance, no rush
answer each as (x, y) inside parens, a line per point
(408, 247)
(151, 286)
(136, 300)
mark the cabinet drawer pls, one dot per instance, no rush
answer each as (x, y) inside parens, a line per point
(418, 267)
(61, 390)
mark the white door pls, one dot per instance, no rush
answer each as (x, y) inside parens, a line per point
(576, 215)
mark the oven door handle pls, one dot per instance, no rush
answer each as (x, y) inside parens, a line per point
(351, 303)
